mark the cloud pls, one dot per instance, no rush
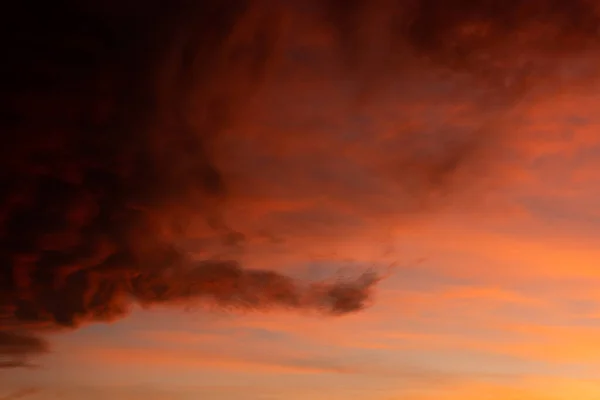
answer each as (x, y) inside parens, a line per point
(510, 45)
(148, 145)
(210, 359)
(19, 394)
(16, 348)
(106, 164)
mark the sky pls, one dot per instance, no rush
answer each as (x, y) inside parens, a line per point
(360, 200)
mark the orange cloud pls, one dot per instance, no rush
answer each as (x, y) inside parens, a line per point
(154, 358)
(328, 159)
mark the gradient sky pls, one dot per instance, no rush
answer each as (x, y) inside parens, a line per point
(492, 292)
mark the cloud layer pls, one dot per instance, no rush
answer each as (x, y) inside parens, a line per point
(133, 129)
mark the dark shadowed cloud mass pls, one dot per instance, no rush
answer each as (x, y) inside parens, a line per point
(116, 117)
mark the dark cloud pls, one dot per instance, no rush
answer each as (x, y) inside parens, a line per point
(16, 349)
(101, 160)
(111, 115)
(509, 45)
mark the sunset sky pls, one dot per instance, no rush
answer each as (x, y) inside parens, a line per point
(468, 186)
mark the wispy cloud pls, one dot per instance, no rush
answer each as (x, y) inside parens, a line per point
(19, 394)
